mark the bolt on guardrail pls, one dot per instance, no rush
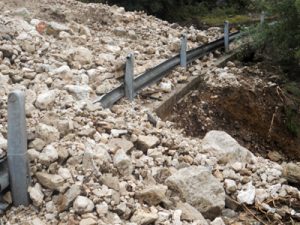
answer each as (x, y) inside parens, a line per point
(226, 36)
(183, 48)
(18, 167)
(128, 80)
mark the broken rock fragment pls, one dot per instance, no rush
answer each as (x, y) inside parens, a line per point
(198, 187)
(146, 142)
(226, 149)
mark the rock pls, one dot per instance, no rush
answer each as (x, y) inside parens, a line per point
(64, 173)
(81, 55)
(275, 156)
(50, 181)
(102, 209)
(189, 213)
(48, 155)
(217, 221)
(65, 200)
(177, 217)
(110, 181)
(141, 217)
(198, 187)
(80, 92)
(120, 143)
(7, 50)
(291, 172)
(47, 133)
(83, 205)
(153, 195)
(227, 150)
(118, 133)
(88, 221)
(3, 143)
(123, 163)
(166, 86)
(247, 195)
(58, 26)
(230, 186)
(37, 221)
(146, 142)
(36, 195)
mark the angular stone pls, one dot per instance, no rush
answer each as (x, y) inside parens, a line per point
(48, 155)
(217, 221)
(65, 200)
(47, 133)
(88, 221)
(189, 213)
(225, 148)
(146, 142)
(153, 195)
(120, 143)
(83, 204)
(198, 187)
(80, 92)
(230, 186)
(110, 181)
(247, 195)
(291, 172)
(46, 99)
(50, 181)
(123, 163)
(36, 195)
(143, 218)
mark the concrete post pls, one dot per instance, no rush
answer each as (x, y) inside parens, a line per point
(226, 36)
(262, 17)
(183, 48)
(128, 81)
(17, 149)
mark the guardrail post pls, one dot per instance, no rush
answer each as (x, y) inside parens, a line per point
(226, 36)
(17, 149)
(183, 48)
(262, 17)
(128, 81)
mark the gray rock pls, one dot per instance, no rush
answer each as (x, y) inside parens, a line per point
(83, 204)
(120, 143)
(47, 133)
(36, 195)
(189, 213)
(153, 195)
(146, 142)
(51, 181)
(142, 217)
(198, 187)
(291, 172)
(65, 200)
(123, 163)
(225, 148)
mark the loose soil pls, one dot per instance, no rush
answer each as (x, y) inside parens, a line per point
(254, 114)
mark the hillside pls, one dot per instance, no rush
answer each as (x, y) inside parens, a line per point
(91, 165)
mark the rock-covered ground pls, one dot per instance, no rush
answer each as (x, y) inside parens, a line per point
(91, 165)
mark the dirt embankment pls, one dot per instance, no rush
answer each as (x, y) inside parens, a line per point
(251, 106)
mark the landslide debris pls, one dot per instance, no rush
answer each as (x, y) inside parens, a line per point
(91, 165)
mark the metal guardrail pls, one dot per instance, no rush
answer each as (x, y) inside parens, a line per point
(14, 170)
(158, 72)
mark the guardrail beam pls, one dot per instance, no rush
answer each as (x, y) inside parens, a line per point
(19, 176)
(183, 49)
(128, 81)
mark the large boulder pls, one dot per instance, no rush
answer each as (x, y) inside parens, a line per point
(225, 148)
(291, 172)
(197, 186)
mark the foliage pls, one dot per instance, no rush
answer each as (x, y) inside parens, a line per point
(281, 40)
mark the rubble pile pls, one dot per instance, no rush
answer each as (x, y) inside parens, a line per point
(91, 165)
